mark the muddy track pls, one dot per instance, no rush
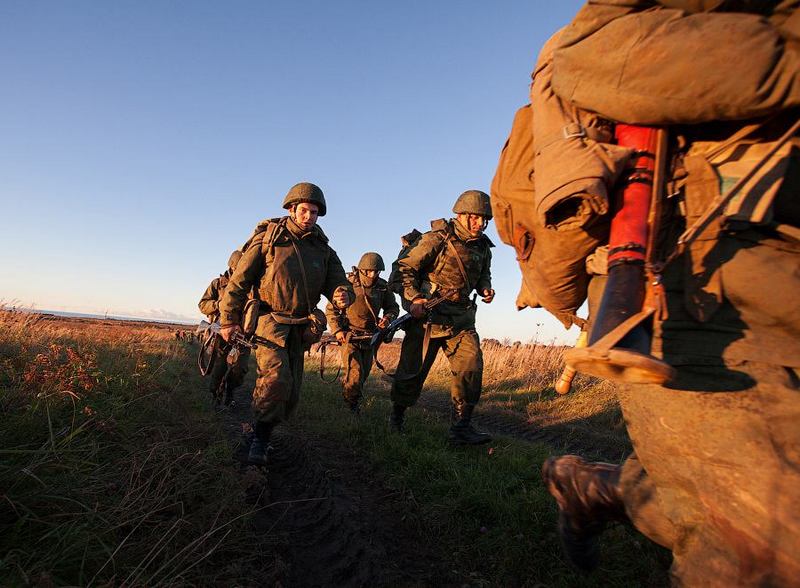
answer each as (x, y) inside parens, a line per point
(333, 522)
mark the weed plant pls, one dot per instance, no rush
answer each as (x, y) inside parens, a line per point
(112, 469)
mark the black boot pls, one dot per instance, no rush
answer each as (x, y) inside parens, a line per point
(396, 418)
(461, 431)
(260, 446)
(588, 498)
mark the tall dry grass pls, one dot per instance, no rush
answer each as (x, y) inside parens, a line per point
(112, 471)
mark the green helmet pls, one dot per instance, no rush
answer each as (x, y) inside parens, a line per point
(305, 192)
(234, 259)
(371, 261)
(473, 202)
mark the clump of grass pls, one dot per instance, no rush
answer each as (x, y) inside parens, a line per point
(112, 470)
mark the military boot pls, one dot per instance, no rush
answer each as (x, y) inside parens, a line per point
(588, 498)
(396, 418)
(352, 404)
(461, 431)
(260, 447)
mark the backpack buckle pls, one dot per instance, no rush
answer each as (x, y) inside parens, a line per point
(573, 130)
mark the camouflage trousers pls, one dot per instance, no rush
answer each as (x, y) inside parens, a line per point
(357, 360)
(716, 473)
(463, 351)
(279, 378)
(236, 375)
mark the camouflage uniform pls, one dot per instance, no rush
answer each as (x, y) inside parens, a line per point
(361, 318)
(272, 264)
(209, 305)
(431, 265)
(716, 467)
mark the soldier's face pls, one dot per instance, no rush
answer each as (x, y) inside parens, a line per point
(474, 223)
(368, 277)
(305, 215)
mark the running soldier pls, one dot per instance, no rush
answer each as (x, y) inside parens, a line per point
(291, 265)
(362, 318)
(451, 261)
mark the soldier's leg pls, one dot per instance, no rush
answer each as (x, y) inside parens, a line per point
(464, 353)
(352, 379)
(218, 371)
(406, 389)
(725, 467)
(411, 371)
(272, 396)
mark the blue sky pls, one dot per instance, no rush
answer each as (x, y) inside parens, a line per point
(140, 142)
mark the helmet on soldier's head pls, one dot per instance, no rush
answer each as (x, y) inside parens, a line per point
(371, 261)
(473, 202)
(305, 192)
(234, 259)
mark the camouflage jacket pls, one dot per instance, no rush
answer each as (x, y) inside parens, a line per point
(432, 265)
(275, 264)
(209, 303)
(362, 314)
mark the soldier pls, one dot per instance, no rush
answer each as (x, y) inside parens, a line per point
(209, 305)
(290, 264)
(362, 318)
(716, 465)
(453, 259)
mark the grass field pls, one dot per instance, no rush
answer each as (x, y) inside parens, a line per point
(115, 471)
(110, 462)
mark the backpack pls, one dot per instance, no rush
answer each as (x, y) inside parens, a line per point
(552, 262)
(269, 226)
(395, 279)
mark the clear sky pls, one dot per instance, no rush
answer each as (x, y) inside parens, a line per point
(141, 141)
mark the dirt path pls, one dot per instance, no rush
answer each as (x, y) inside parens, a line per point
(335, 524)
(332, 520)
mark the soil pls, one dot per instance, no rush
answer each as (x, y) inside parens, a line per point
(334, 523)
(332, 519)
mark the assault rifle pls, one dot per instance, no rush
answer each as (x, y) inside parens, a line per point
(208, 353)
(386, 334)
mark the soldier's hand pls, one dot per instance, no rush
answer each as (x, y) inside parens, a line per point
(417, 308)
(384, 322)
(341, 298)
(229, 332)
(341, 337)
(487, 295)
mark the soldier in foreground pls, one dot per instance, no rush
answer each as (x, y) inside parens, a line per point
(209, 306)
(291, 265)
(715, 472)
(363, 317)
(452, 260)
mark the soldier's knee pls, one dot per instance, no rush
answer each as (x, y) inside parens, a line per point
(269, 391)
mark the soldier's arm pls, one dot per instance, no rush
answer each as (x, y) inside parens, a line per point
(248, 271)
(485, 279)
(336, 279)
(417, 262)
(337, 320)
(389, 305)
(209, 303)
